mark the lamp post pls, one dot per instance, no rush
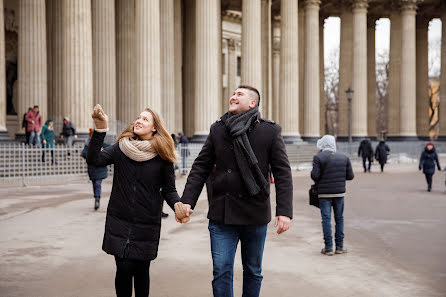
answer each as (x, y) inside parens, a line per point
(349, 93)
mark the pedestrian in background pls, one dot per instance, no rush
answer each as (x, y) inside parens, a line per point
(25, 125)
(185, 152)
(34, 120)
(381, 152)
(48, 139)
(330, 171)
(366, 151)
(428, 159)
(68, 134)
(95, 173)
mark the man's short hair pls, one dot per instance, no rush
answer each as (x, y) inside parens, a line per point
(252, 89)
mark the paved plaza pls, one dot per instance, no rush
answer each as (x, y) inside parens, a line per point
(50, 242)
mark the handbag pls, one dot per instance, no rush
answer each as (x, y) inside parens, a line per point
(313, 194)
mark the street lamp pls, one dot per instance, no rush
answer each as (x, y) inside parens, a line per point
(349, 93)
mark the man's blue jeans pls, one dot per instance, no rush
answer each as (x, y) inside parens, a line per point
(97, 187)
(224, 240)
(34, 136)
(325, 205)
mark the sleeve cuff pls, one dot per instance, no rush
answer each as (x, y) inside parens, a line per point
(102, 130)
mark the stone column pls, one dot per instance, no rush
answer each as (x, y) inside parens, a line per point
(55, 61)
(168, 64)
(422, 77)
(125, 62)
(301, 53)
(408, 70)
(178, 66)
(252, 46)
(442, 113)
(393, 97)
(32, 59)
(276, 70)
(189, 73)
(359, 102)
(208, 84)
(104, 58)
(311, 70)
(3, 130)
(266, 58)
(148, 66)
(371, 77)
(322, 104)
(289, 71)
(77, 64)
(232, 70)
(345, 69)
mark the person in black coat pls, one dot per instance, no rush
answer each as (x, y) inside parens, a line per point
(184, 150)
(381, 152)
(366, 151)
(237, 157)
(143, 177)
(330, 171)
(428, 159)
(96, 174)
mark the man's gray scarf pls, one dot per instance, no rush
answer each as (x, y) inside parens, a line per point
(237, 126)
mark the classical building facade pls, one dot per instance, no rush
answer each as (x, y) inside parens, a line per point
(184, 58)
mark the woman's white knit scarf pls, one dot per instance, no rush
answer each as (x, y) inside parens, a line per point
(137, 150)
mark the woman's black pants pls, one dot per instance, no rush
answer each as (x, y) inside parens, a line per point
(128, 270)
(429, 180)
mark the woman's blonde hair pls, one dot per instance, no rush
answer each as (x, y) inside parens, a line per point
(161, 140)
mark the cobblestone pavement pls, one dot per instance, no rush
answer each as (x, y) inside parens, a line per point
(50, 243)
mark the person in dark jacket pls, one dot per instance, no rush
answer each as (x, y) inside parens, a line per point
(238, 155)
(48, 139)
(143, 158)
(366, 151)
(428, 159)
(330, 171)
(96, 174)
(68, 134)
(185, 152)
(381, 152)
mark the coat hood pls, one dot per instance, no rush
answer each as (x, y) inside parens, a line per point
(327, 142)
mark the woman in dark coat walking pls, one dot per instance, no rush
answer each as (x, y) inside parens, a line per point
(427, 162)
(143, 160)
(381, 152)
(96, 174)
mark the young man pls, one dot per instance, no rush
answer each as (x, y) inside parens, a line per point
(238, 155)
(34, 120)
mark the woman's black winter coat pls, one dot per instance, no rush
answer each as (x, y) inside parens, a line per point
(381, 153)
(427, 161)
(133, 223)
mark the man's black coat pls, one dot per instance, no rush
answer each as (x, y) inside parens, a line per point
(229, 202)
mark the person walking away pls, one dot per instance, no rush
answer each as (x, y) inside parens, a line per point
(185, 152)
(428, 159)
(143, 177)
(381, 152)
(68, 134)
(96, 174)
(48, 140)
(366, 151)
(25, 125)
(330, 171)
(238, 155)
(34, 119)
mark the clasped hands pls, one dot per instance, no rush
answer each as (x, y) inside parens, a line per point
(182, 212)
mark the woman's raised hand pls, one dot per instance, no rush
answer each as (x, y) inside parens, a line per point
(99, 117)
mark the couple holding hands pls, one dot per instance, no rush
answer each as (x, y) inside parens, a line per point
(240, 152)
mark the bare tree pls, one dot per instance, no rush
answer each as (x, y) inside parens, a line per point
(331, 87)
(382, 84)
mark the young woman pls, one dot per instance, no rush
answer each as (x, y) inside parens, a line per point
(48, 139)
(143, 160)
(428, 159)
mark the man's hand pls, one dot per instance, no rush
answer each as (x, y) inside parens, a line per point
(182, 212)
(283, 222)
(99, 117)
